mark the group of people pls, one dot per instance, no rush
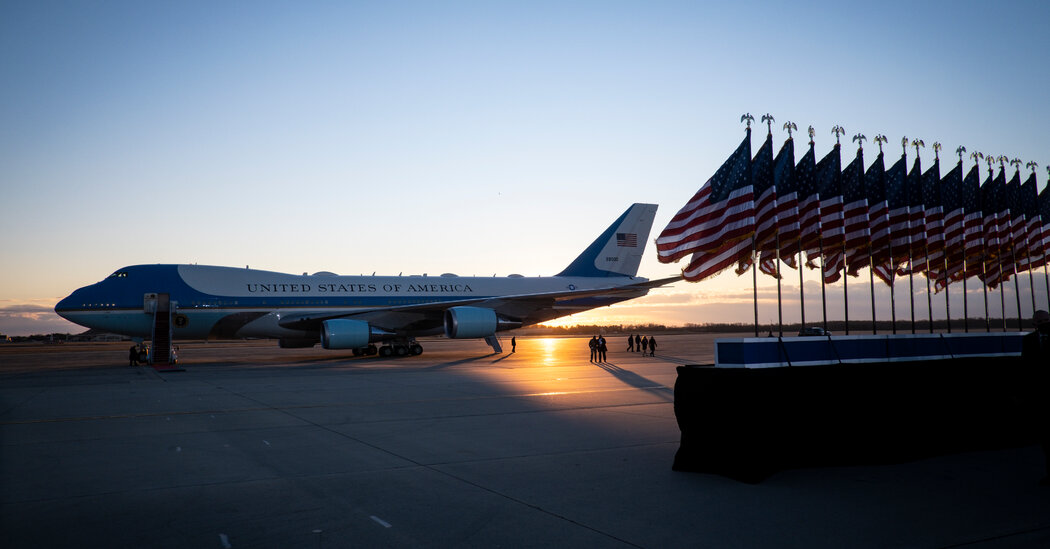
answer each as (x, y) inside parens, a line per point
(598, 347)
(635, 343)
(643, 344)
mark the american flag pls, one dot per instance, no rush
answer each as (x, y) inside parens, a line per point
(1017, 219)
(897, 206)
(973, 223)
(875, 190)
(1044, 218)
(808, 201)
(933, 212)
(787, 204)
(992, 192)
(954, 217)
(857, 226)
(916, 224)
(721, 211)
(765, 204)
(1033, 237)
(627, 240)
(832, 237)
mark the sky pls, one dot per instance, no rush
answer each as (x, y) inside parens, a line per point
(476, 138)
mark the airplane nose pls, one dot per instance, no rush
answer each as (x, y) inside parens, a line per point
(65, 305)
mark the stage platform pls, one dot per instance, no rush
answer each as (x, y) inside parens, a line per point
(777, 403)
(775, 352)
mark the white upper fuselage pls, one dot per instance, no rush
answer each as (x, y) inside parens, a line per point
(232, 302)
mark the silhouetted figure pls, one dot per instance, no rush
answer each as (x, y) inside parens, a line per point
(594, 347)
(513, 344)
(645, 345)
(637, 343)
(602, 348)
(133, 356)
(652, 346)
(630, 343)
(1035, 351)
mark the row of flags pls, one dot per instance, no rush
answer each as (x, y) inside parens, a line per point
(895, 221)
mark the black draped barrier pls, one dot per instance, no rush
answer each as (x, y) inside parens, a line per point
(748, 423)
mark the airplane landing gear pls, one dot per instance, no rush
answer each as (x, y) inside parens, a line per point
(401, 348)
(366, 351)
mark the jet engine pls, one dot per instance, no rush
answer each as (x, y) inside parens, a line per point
(468, 322)
(344, 333)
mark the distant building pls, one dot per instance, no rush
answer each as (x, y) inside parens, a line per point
(97, 335)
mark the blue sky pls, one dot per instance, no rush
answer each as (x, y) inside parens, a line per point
(466, 137)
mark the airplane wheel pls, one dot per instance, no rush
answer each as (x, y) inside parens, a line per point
(416, 349)
(371, 350)
(385, 351)
(401, 350)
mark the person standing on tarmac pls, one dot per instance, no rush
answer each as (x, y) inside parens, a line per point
(630, 343)
(637, 343)
(602, 348)
(652, 346)
(133, 356)
(645, 345)
(513, 344)
(594, 347)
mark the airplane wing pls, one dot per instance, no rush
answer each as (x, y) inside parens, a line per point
(528, 307)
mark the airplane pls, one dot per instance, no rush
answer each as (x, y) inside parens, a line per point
(357, 312)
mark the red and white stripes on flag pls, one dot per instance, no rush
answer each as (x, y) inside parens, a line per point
(720, 214)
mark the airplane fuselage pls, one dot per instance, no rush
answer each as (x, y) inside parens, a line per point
(228, 302)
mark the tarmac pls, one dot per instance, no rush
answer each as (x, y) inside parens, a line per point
(256, 446)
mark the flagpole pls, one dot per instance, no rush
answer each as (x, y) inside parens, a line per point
(944, 248)
(839, 130)
(960, 151)
(999, 255)
(966, 301)
(1027, 244)
(926, 240)
(776, 233)
(984, 253)
(880, 139)
(754, 279)
(1013, 257)
(1042, 239)
(754, 274)
(801, 281)
(911, 245)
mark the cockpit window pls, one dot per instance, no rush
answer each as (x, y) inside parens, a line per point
(119, 274)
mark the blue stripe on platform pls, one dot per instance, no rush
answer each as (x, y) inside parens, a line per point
(771, 352)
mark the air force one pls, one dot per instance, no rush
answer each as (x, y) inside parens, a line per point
(165, 302)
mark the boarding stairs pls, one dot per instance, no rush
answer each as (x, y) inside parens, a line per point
(160, 355)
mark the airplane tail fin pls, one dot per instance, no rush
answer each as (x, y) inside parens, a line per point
(618, 251)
